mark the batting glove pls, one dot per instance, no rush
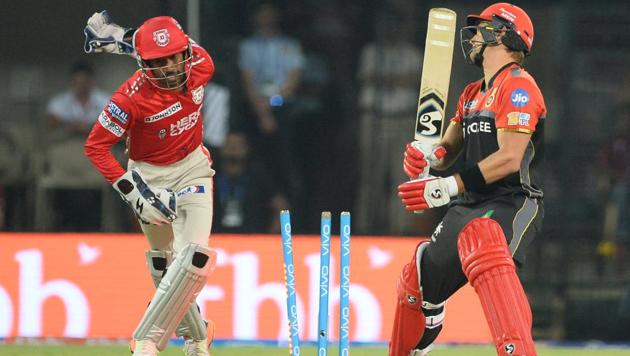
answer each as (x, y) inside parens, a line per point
(419, 158)
(425, 193)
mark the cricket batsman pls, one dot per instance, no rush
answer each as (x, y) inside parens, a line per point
(496, 206)
(168, 179)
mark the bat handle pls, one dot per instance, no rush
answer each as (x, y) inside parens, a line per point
(427, 149)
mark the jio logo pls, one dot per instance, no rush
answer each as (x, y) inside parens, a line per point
(519, 98)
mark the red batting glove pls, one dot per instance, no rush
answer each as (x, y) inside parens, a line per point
(415, 161)
(425, 193)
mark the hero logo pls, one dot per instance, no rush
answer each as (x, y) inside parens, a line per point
(164, 113)
(436, 193)
(185, 123)
(161, 37)
(519, 98)
(109, 125)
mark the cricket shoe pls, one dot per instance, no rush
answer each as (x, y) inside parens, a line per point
(422, 352)
(200, 347)
(143, 348)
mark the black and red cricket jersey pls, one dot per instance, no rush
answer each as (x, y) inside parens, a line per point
(511, 101)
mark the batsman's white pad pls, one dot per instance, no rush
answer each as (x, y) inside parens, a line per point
(192, 325)
(175, 294)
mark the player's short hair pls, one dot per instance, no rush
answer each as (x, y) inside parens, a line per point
(518, 56)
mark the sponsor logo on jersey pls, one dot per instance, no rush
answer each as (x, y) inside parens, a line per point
(164, 113)
(110, 125)
(161, 37)
(478, 127)
(519, 97)
(197, 95)
(518, 118)
(185, 123)
(117, 113)
(491, 97)
(193, 189)
(469, 105)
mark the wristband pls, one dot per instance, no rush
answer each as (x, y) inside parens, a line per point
(473, 179)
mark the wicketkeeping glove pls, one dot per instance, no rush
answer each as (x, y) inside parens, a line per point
(155, 206)
(418, 159)
(102, 35)
(425, 193)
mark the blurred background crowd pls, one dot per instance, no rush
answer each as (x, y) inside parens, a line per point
(309, 110)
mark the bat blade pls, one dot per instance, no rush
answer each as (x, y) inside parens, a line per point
(436, 75)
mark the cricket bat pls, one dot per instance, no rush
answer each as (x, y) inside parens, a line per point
(436, 75)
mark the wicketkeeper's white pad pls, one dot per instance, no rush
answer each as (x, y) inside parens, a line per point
(175, 294)
(193, 324)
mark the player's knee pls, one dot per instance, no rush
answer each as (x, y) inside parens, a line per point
(481, 246)
(198, 257)
(158, 261)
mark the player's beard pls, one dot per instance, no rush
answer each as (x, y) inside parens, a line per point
(477, 56)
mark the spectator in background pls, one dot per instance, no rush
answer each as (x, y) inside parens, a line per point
(389, 72)
(74, 111)
(615, 185)
(245, 201)
(71, 115)
(216, 115)
(270, 65)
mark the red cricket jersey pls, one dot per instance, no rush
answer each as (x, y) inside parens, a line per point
(162, 126)
(510, 101)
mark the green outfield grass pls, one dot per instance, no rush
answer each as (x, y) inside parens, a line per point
(21, 350)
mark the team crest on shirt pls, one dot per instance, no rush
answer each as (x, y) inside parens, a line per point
(162, 133)
(197, 95)
(491, 97)
(161, 37)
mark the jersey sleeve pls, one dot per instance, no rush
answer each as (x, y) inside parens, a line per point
(459, 112)
(110, 126)
(203, 63)
(520, 106)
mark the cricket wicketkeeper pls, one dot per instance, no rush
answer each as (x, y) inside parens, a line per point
(168, 180)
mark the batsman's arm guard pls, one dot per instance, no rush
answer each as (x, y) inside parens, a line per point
(488, 264)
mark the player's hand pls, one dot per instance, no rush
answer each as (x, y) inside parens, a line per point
(102, 35)
(429, 192)
(155, 206)
(418, 159)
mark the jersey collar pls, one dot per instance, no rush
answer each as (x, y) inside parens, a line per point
(485, 87)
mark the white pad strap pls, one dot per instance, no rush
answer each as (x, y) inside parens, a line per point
(434, 313)
(176, 292)
(192, 325)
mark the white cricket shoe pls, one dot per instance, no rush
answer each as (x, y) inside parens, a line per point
(144, 348)
(422, 352)
(200, 347)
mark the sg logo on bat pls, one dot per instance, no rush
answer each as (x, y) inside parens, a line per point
(430, 123)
